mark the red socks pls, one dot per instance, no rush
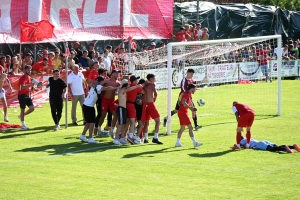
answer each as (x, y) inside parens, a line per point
(238, 137)
(248, 136)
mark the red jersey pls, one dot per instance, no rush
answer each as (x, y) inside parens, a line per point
(188, 96)
(262, 56)
(50, 62)
(180, 37)
(93, 75)
(131, 95)
(242, 109)
(38, 67)
(184, 84)
(24, 80)
(196, 32)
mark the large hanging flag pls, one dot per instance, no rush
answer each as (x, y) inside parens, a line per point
(32, 32)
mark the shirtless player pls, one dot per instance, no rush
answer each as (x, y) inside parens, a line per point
(122, 111)
(149, 109)
(108, 100)
(3, 78)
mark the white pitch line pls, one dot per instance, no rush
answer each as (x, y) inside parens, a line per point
(282, 167)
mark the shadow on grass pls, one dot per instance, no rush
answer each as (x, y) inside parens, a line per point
(211, 155)
(73, 148)
(13, 133)
(149, 153)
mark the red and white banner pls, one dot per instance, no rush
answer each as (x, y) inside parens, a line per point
(81, 20)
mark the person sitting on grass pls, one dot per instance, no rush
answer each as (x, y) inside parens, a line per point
(269, 146)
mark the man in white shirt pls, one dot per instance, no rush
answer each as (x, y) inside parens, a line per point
(106, 60)
(77, 85)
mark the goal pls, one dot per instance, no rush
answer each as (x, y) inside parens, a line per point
(242, 69)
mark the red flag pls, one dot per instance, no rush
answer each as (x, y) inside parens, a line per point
(36, 31)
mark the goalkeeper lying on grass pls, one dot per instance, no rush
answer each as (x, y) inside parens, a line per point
(268, 146)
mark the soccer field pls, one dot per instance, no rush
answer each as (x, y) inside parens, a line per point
(43, 164)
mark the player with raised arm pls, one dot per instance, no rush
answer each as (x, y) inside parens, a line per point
(244, 117)
(108, 100)
(3, 78)
(122, 111)
(149, 109)
(186, 103)
(187, 80)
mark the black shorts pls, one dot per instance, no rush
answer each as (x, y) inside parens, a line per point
(139, 110)
(89, 114)
(25, 100)
(177, 105)
(122, 115)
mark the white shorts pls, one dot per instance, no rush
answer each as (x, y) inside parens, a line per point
(2, 94)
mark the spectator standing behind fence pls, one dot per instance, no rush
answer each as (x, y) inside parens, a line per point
(76, 85)
(205, 35)
(3, 78)
(263, 63)
(78, 50)
(84, 60)
(71, 61)
(45, 55)
(56, 60)
(40, 67)
(27, 60)
(24, 95)
(15, 66)
(3, 63)
(181, 36)
(107, 60)
(198, 28)
(56, 96)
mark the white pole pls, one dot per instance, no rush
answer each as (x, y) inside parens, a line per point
(169, 129)
(279, 62)
(66, 111)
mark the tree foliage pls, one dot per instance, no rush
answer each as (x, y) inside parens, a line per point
(292, 5)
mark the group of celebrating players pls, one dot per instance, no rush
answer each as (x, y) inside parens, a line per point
(133, 109)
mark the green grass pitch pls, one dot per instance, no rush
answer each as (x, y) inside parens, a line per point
(43, 164)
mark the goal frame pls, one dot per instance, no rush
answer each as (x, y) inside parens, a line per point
(176, 44)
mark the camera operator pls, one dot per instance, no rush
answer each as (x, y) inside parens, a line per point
(25, 88)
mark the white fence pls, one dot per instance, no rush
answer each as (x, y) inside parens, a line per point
(222, 73)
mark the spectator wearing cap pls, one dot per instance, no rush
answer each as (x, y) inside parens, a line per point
(56, 60)
(27, 60)
(130, 105)
(40, 67)
(152, 46)
(45, 55)
(181, 36)
(84, 60)
(56, 96)
(77, 86)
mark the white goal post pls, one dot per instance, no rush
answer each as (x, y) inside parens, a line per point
(177, 50)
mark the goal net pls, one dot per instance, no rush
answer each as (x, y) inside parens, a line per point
(225, 71)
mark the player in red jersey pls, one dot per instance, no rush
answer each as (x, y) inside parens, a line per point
(149, 109)
(245, 117)
(262, 59)
(25, 88)
(93, 73)
(183, 86)
(130, 106)
(185, 104)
